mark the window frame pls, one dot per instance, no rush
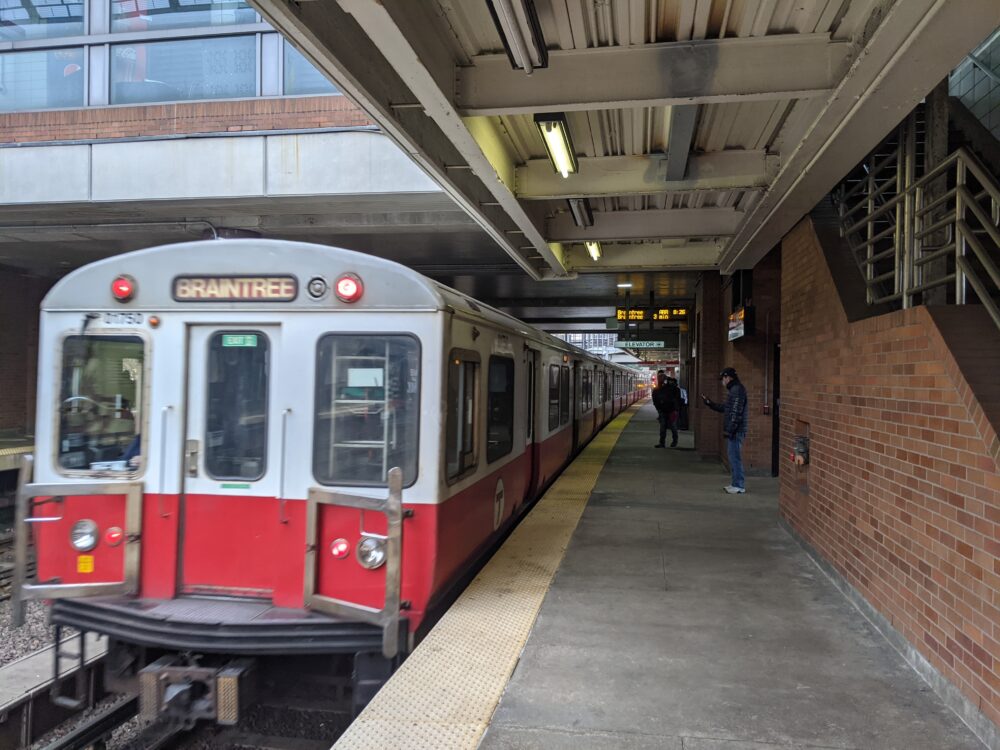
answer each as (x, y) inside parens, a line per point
(553, 424)
(466, 356)
(420, 394)
(565, 412)
(147, 350)
(218, 332)
(513, 404)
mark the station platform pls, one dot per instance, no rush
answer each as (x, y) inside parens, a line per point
(12, 447)
(678, 618)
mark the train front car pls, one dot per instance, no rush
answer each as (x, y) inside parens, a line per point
(228, 442)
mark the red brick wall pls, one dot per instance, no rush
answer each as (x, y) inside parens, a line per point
(295, 113)
(902, 495)
(753, 359)
(20, 299)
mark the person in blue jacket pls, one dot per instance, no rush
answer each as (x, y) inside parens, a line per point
(734, 425)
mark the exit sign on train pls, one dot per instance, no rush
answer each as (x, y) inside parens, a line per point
(232, 339)
(639, 344)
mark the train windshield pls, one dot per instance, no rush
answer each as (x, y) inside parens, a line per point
(367, 408)
(100, 403)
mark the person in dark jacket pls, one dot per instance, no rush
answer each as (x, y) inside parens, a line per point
(734, 425)
(667, 400)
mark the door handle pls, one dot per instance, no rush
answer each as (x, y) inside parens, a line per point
(191, 457)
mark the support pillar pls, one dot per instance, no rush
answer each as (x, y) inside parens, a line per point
(708, 364)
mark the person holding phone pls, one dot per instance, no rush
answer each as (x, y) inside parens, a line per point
(734, 426)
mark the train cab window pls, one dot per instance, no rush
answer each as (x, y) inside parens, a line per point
(563, 395)
(553, 396)
(101, 403)
(500, 408)
(236, 415)
(367, 409)
(460, 431)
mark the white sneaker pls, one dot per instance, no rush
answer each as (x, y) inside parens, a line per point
(733, 490)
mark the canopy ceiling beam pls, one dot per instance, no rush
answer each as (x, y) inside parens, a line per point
(786, 66)
(651, 224)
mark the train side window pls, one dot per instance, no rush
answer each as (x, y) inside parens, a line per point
(563, 395)
(460, 431)
(500, 408)
(101, 403)
(553, 397)
(236, 410)
(367, 408)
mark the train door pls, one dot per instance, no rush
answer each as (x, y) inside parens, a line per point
(233, 456)
(530, 442)
(576, 404)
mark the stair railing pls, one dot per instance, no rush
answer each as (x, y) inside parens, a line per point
(911, 236)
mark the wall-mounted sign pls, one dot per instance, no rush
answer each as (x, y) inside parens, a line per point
(639, 344)
(741, 323)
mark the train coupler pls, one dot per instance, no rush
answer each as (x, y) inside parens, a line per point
(181, 693)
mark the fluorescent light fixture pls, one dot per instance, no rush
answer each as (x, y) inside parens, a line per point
(582, 215)
(625, 285)
(594, 248)
(554, 130)
(517, 24)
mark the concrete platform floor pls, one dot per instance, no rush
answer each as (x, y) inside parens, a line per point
(683, 618)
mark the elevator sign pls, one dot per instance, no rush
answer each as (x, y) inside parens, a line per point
(639, 344)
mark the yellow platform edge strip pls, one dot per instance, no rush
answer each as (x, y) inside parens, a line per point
(444, 694)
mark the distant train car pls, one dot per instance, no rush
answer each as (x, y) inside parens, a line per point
(255, 448)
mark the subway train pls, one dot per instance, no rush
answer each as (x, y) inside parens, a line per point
(254, 448)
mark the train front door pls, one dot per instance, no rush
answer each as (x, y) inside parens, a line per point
(232, 461)
(530, 441)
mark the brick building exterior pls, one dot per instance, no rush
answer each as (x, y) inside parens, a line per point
(19, 305)
(902, 493)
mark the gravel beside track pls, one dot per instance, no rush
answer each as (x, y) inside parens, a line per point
(18, 642)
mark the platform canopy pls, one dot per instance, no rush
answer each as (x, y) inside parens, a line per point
(698, 131)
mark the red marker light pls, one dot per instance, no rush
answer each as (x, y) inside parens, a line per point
(114, 536)
(349, 288)
(340, 549)
(123, 288)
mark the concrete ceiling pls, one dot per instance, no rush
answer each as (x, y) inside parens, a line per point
(704, 129)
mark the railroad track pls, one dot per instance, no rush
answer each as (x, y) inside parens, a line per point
(7, 565)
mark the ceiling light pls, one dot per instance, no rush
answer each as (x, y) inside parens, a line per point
(626, 285)
(517, 24)
(594, 248)
(555, 133)
(582, 215)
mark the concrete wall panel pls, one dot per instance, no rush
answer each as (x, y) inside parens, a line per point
(178, 169)
(44, 174)
(341, 163)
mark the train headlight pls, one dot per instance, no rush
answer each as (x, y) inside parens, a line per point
(83, 536)
(371, 552)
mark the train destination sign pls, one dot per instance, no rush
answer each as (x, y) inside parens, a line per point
(639, 344)
(235, 288)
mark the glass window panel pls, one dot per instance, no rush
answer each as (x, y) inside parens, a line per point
(500, 409)
(236, 413)
(460, 430)
(143, 15)
(553, 396)
(45, 79)
(39, 19)
(367, 409)
(216, 68)
(100, 402)
(301, 77)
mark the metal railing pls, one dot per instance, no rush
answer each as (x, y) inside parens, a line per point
(932, 239)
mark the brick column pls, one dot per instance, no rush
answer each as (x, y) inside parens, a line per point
(708, 362)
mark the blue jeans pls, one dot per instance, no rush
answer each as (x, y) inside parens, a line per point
(736, 459)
